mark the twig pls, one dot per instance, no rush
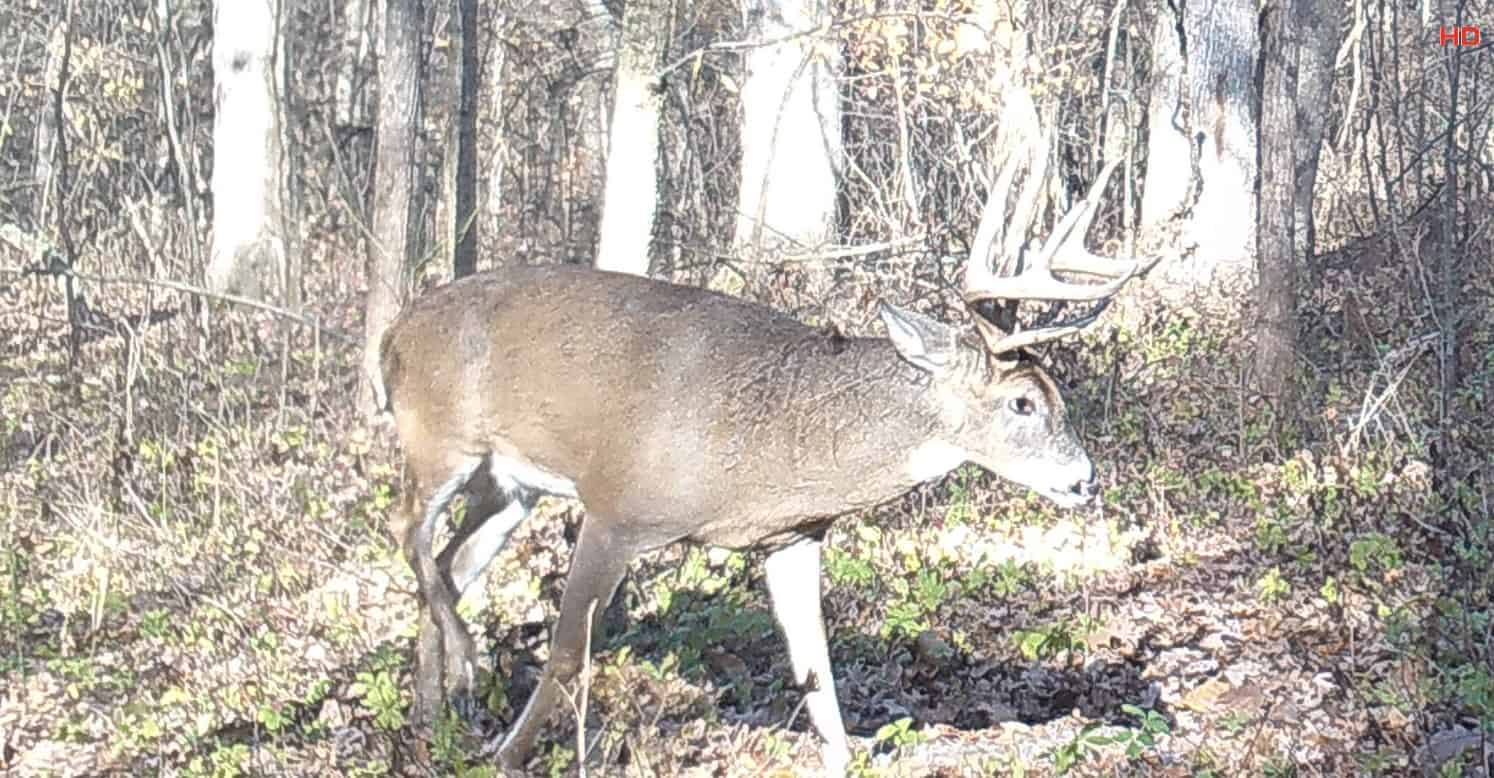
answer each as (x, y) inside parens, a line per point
(1111, 38)
(60, 152)
(178, 149)
(579, 708)
(57, 268)
(1349, 51)
(591, 610)
(1370, 409)
(841, 23)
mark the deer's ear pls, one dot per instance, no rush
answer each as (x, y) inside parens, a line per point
(927, 344)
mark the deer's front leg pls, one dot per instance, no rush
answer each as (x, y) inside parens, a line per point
(794, 586)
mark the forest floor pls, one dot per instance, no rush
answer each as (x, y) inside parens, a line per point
(196, 578)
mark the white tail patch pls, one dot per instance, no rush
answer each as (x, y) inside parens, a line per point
(512, 473)
(477, 553)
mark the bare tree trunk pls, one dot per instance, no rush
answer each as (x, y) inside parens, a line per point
(53, 167)
(585, 167)
(491, 108)
(1314, 93)
(248, 255)
(1276, 287)
(389, 262)
(1214, 76)
(48, 128)
(464, 258)
(1452, 235)
(287, 191)
(630, 204)
(443, 101)
(791, 137)
(349, 98)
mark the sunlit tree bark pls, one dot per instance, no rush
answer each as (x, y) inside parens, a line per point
(389, 261)
(630, 204)
(248, 255)
(1211, 63)
(791, 138)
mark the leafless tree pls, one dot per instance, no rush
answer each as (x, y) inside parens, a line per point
(791, 131)
(390, 253)
(492, 137)
(351, 95)
(631, 201)
(1296, 76)
(1319, 23)
(1203, 112)
(464, 242)
(1276, 290)
(250, 231)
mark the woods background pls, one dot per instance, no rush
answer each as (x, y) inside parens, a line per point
(1292, 571)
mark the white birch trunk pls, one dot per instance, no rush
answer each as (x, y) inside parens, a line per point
(248, 255)
(1223, 44)
(791, 139)
(631, 198)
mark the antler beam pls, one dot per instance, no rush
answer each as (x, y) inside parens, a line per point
(1035, 264)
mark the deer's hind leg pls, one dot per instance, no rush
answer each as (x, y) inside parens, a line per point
(428, 491)
(492, 514)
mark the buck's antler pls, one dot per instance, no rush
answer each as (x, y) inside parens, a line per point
(1062, 252)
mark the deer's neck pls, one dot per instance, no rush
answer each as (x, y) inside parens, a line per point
(825, 429)
(858, 423)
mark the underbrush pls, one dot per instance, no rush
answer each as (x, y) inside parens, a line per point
(197, 580)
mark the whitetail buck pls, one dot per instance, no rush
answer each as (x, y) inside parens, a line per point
(675, 413)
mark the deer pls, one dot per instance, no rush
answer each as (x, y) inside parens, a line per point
(678, 414)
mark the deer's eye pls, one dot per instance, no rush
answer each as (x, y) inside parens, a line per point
(1021, 406)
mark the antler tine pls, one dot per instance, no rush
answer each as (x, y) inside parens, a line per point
(1003, 344)
(998, 239)
(1027, 200)
(1064, 252)
(992, 237)
(1066, 244)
